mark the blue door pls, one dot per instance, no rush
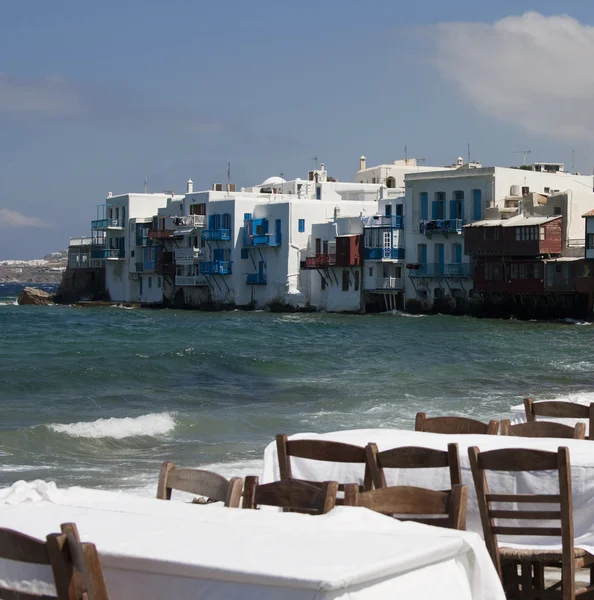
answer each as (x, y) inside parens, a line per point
(424, 206)
(477, 211)
(440, 258)
(278, 231)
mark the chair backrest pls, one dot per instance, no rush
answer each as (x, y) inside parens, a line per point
(75, 566)
(454, 425)
(447, 509)
(322, 450)
(292, 494)
(560, 410)
(516, 460)
(548, 429)
(197, 481)
(412, 457)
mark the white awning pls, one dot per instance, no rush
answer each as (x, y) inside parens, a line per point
(563, 259)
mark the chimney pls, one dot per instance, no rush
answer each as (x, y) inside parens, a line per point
(189, 186)
(362, 163)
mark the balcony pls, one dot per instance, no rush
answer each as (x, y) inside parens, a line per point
(82, 241)
(439, 270)
(108, 224)
(441, 226)
(213, 235)
(383, 253)
(190, 221)
(255, 279)
(192, 280)
(384, 283)
(111, 254)
(268, 239)
(216, 267)
(164, 235)
(394, 221)
(320, 261)
(187, 256)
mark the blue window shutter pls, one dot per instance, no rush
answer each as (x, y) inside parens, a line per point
(424, 254)
(424, 206)
(458, 258)
(477, 208)
(461, 209)
(440, 256)
(247, 216)
(217, 254)
(278, 231)
(435, 209)
(244, 253)
(211, 222)
(453, 209)
(301, 225)
(388, 208)
(217, 221)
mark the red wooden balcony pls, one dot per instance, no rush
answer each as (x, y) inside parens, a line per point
(320, 261)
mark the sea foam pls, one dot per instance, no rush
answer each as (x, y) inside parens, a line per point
(118, 428)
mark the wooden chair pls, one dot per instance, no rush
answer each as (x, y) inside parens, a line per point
(560, 410)
(412, 457)
(75, 566)
(447, 509)
(196, 481)
(454, 425)
(321, 450)
(532, 561)
(299, 496)
(548, 429)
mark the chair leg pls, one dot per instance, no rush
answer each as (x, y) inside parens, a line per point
(510, 580)
(539, 579)
(526, 580)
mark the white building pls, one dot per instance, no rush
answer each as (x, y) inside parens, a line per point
(250, 250)
(129, 255)
(438, 204)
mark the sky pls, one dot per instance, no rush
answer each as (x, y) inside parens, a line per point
(94, 97)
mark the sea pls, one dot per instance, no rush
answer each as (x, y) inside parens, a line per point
(99, 397)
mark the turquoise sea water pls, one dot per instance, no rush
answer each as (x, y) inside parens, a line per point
(101, 396)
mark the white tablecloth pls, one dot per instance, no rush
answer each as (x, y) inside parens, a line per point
(159, 549)
(545, 482)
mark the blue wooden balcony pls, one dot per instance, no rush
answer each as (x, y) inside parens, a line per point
(383, 253)
(216, 235)
(216, 267)
(107, 224)
(439, 270)
(441, 226)
(255, 279)
(269, 239)
(112, 253)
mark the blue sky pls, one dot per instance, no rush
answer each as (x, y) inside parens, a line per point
(94, 96)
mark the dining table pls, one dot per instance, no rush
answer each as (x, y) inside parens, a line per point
(546, 482)
(156, 549)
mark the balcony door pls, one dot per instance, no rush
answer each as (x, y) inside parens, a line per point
(387, 244)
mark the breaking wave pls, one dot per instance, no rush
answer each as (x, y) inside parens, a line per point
(118, 428)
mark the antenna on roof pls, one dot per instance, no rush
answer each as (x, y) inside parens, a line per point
(145, 184)
(524, 152)
(468, 152)
(573, 161)
(316, 159)
(405, 155)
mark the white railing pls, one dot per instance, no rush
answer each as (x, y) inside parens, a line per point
(81, 241)
(190, 281)
(384, 283)
(190, 221)
(188, 255)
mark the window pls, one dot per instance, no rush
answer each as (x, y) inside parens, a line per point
(388, 209)
(345, 280)
(370, 271)
(513, 271)
(244, 253)
(422, 254)
(477, 205)
(356, 281)
(542, 234)
(424, 206)
(491, 233)
(438, 207)
(140, 280)
(526, 234)
(150, 281)
(322, 282)
(301, 226)
(590, 241)
(318, 192)
(538, 271)
(390, 183)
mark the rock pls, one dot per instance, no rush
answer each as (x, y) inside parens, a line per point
(34, 296)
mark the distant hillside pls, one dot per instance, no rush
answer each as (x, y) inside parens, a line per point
(48, 269)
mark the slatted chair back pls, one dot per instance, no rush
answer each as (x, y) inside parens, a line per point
(547, 429)
(454, 425)
(321, 450)
(412, 457)
(213, 486)
(293, 494)
(443, 509)
(560, 410)
(76, 569)
(521, 459)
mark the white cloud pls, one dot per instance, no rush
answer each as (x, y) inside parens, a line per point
(49, 96)
(530, 70)
(13, 219)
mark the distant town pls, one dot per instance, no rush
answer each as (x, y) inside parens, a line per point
(48, 269)
(462, 239)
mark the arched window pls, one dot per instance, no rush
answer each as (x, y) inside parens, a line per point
(438, 207)
(391, 182)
